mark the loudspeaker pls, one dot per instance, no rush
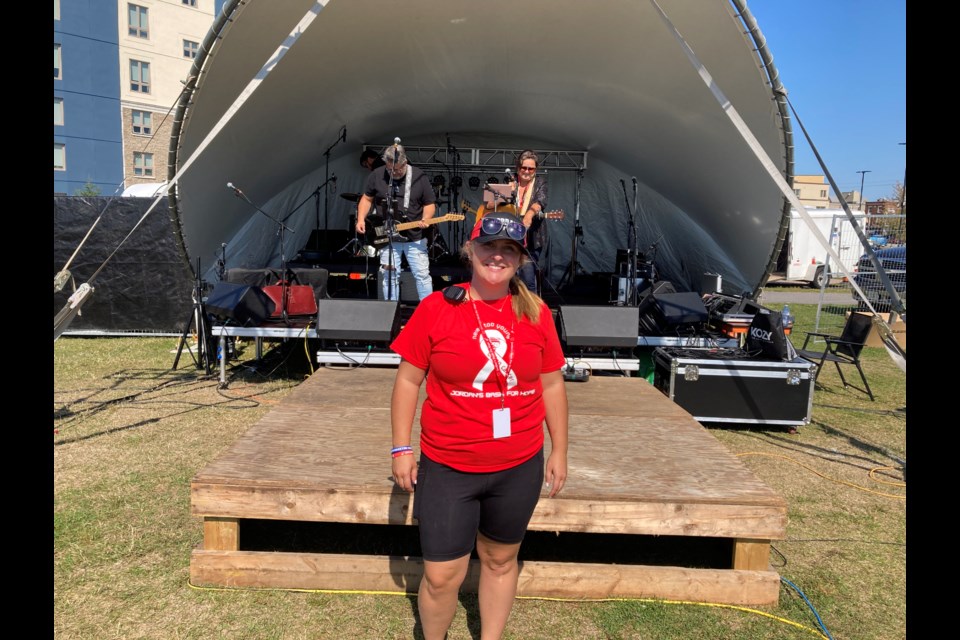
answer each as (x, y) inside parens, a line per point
(243, 304)
(673, 309)
(362, 320)
(599, 326)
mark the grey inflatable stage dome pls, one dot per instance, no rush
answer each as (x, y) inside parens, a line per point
(601, 86)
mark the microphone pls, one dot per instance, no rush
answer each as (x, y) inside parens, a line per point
(333, 179)
(236, 191)
(396, 141)
(509, 174)
(634, 180)
(343, 134)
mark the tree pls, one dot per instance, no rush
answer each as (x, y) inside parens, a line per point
(89, 189)
(900, 196)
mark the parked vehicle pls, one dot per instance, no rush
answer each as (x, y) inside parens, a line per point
(878, 241)
(894, 263)
(806, 257)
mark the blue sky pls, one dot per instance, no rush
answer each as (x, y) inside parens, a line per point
(843, 63)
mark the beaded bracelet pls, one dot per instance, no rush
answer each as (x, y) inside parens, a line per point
(405, 452)
(404, 447)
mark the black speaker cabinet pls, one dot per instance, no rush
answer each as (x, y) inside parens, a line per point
(673, 309)
(242, 304)
(359, 320)
(586, 326)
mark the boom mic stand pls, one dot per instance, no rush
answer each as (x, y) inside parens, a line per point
(631, 297)
(281, 228)
(326, 200)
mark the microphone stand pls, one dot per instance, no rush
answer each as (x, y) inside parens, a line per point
(281, 228)
(574, 266)
(455, 182)
(315, 194)
(631, 298)
(389, 226)
(326, 200)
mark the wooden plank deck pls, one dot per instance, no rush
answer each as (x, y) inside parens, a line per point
(638, 464)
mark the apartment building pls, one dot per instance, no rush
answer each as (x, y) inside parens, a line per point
(118, 68)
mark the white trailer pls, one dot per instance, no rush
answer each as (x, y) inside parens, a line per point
(807, 260)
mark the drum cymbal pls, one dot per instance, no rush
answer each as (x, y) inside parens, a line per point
(352, 197)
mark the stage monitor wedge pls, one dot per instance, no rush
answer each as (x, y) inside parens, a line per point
(242, 304)
(348, 319)
(592, 326)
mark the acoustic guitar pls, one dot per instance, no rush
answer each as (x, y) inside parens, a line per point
(380, 233)
(479, 212)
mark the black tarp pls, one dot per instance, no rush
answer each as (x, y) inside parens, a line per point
(145, 287)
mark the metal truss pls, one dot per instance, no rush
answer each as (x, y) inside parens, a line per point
(481, 160)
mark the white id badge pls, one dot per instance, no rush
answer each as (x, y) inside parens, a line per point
(501, 423)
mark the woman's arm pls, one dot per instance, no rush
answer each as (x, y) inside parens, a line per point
(403, 408)
(555, 403)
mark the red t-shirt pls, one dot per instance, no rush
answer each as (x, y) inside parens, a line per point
(464, 388)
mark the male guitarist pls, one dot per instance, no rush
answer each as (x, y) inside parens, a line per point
(404, 193)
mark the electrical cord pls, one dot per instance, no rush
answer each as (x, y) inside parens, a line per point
(717, 605)
(809, 604)
(843, 482)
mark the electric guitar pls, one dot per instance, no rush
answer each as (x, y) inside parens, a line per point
(556, 214)
(380, 233)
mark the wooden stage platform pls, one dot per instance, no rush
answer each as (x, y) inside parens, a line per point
(639, 466)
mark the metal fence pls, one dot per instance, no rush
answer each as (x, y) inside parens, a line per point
(887, 236)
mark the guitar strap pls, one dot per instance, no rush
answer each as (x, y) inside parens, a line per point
(407, 181)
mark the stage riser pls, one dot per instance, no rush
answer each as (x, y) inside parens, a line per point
(718, 521)
(640, 468)
(253, 569)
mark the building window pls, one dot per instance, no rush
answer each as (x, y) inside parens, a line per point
(142, 123)
(190, 48)
(797, 192)
(190, 3)
(139, 76)
(823, 193)
(56, 9)
(57, 111)
(137, 21)
(57, 72)
(59, 156)
(142, 164)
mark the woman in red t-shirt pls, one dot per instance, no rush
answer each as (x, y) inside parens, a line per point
(495, 376)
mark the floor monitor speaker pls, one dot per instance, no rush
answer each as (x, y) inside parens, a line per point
(360, 320)
(593, 326)
(245, 305)
(674, 309)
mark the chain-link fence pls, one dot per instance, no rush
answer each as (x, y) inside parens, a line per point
(887, 237)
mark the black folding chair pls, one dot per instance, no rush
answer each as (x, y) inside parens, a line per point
(842, 349)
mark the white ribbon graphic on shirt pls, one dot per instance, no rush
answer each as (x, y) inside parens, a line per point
(500, 348)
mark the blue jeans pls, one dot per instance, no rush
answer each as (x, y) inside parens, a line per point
(419, 261)
(528, 272)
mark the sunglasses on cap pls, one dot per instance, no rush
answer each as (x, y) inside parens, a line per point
(491, 226)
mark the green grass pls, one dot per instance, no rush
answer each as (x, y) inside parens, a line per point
(130, 434)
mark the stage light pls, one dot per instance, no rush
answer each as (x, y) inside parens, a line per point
(474, 183)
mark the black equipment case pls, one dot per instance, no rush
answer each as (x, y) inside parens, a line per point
(719, 387)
